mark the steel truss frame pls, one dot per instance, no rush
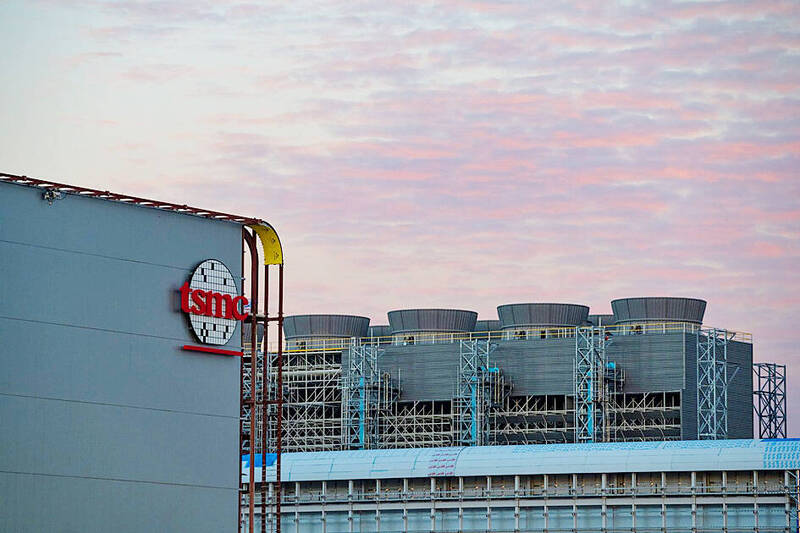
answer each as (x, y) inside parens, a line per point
(769, 380)
(647, 416)
(312, 400)
(712, 384)
(589, 383)
(367, 394)
(417, 424)
(534, 420)
(480, 389)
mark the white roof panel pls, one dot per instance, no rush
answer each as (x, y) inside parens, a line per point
(671, 456)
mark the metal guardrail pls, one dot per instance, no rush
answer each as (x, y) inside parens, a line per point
(526, 333)
(390, 495)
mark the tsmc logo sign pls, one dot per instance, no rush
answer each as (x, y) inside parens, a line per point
(211, 299)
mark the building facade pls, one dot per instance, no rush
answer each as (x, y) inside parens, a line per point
(542, 373)
(108, 422)
(732, 486)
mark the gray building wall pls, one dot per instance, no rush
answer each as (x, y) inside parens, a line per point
(740, 390)
(538, 366)
(104, 418)
(652, 362)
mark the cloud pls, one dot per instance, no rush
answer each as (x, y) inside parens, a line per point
(455, 154)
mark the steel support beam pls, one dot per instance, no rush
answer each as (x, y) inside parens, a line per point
(769, 380)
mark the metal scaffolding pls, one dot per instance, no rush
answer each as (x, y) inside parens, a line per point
(361, 397)
(646, 416)
(769, 380)
(479, 389)
(712, 384)
(312, 400)
(336, 396)
(612, 396)
(589, 372)
(540, 419)
(417, 424)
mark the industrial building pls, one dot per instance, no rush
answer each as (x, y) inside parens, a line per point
(540, 373)
(547, 418)
(135, 396)
(728, 486)
(120, 398)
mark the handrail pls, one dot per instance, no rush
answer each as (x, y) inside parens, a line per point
(539, 492)
(526, 333)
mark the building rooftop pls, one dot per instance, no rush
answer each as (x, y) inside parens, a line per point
(663, 456)
(63, 188)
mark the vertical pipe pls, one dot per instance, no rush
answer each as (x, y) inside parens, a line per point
(251, 486)
(280, 398)
(694, 502)
(405, 505)
(241, 400)
(350, 506)
(324, 498)
(663, 502)
(433, 503)
(724, 501)
(633, 502)
(264, 389)
(545, 508)
(755, 501)
(604, 507)
(516, 504)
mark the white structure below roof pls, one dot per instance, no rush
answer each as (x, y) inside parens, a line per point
(671, 456)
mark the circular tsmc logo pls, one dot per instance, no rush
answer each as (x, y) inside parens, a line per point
(212, 300)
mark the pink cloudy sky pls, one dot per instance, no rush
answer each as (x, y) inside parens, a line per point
(462, 154)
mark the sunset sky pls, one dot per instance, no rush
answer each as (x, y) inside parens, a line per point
(444, 154)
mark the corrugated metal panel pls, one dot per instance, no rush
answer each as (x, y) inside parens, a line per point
(601, 320)
(740, 390)
(673, 456)
(659, 309)
(542, 314)
(453, 320)
(299, 326)
(379, 331)
(424, 372)
(539, 366)
(487, 325)
(246, 334)
(650, 362)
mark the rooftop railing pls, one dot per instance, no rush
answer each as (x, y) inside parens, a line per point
(522, 333)
(471, 493)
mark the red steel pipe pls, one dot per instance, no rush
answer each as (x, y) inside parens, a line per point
(251, 486)
(280, 399)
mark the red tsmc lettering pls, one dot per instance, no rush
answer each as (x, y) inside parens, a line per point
(210, 303)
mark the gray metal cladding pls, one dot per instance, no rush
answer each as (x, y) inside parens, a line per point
(301, 326)
(602, 320)
(740, 390)
(98, 401)
(539, 366)
(449, 320)
(424, 372)
(650, 362)
(658, 309)
(383, 330)
(487, 325)
(247, 333)
(542, 314)
(535, 367)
